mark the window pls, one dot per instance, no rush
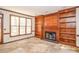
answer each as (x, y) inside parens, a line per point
(14, 25)
(28, 30)
(20, 25)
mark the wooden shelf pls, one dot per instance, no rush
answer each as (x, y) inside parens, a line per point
(67, 11)
(67, 28)
(68, 38)
(67, 33)
(66, 43)
(67, 17)
(69, 22)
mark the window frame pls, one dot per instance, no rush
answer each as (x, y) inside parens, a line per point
(31, 25)
(19, 26)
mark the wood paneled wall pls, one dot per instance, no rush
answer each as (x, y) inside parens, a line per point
(46, 23)
(52, 23)
(39, 26)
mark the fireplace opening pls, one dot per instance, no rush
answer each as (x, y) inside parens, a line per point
(50, 36)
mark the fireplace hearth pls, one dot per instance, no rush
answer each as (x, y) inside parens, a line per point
(50, 36)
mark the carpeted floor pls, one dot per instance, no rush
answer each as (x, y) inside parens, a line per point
(35, 45)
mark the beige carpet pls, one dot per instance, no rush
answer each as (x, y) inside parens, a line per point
(35, 45)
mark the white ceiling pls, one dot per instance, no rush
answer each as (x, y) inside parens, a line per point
(35, 10)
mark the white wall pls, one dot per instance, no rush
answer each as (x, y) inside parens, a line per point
(77, 27)
(6, 25)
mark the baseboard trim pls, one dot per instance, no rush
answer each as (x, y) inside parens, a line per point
(18, 40)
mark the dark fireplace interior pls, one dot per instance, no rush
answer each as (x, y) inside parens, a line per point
(50, 36)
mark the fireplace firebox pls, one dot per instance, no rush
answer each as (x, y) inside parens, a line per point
(50, 36)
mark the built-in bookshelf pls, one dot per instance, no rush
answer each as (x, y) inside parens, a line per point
(67, 26)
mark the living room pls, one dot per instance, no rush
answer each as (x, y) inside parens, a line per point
(39, 29)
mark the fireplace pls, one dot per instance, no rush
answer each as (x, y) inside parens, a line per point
(50, 36)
